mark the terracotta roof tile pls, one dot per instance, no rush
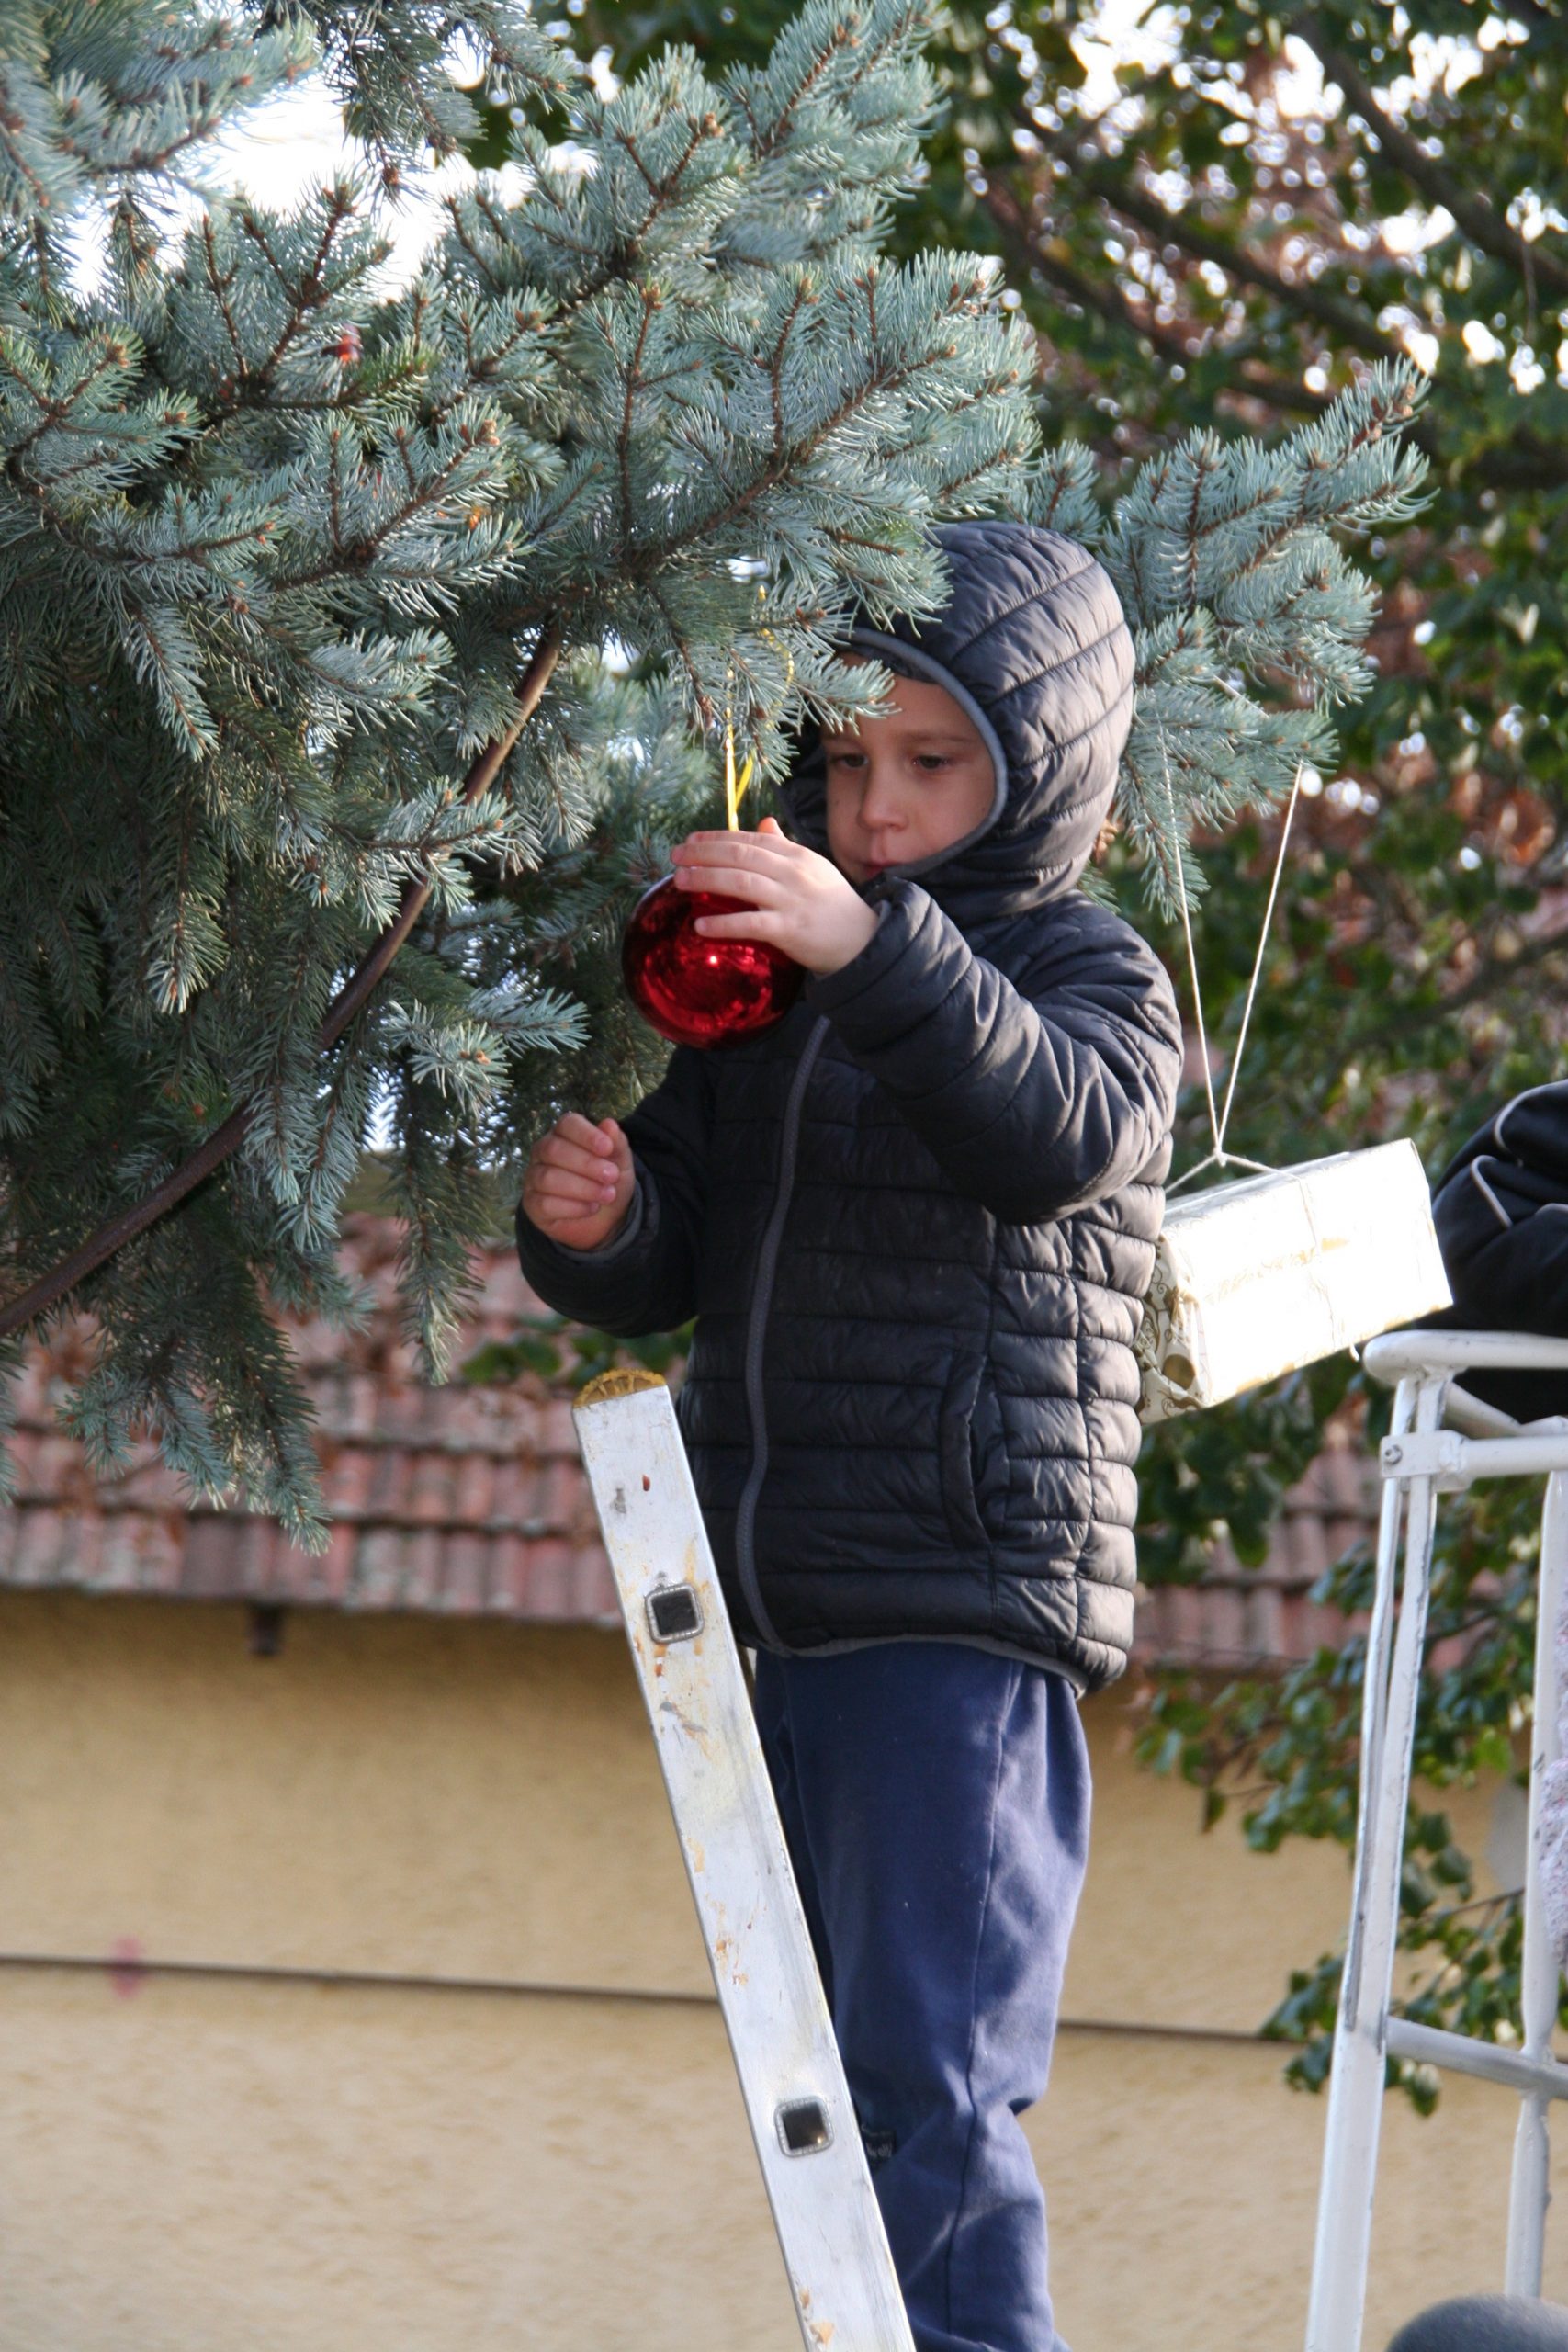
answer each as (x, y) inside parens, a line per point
(473, 1501)
(1303, 1536)
(1237, 1617)
(1263, 1622)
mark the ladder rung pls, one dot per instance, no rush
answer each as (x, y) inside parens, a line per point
(1461, 2054)
(1454, 1461)
(1414, 1354)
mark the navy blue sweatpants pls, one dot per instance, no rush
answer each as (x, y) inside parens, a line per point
(936, 1803)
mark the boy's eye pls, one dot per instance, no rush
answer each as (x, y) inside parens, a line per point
(846, 759)
(932, 763)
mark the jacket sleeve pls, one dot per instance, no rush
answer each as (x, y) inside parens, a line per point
(1034, 1099)
(645, 1278)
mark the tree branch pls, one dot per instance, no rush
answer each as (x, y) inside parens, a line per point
(1480, 222)
(1523, 462)
(350, 1000)
(1337, 317)
(1112, 303)
(1107, 302)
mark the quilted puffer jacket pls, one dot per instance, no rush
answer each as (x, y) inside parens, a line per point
(916, 1221)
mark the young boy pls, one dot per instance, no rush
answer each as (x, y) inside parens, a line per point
(915, 1223)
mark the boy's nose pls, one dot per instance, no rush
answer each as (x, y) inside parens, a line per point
(880, 808)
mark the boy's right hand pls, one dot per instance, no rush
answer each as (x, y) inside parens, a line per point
(579, 1182)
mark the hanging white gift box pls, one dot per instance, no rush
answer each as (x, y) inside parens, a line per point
(1257, 1278)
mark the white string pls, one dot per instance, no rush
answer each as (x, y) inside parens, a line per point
(1219, 1120)
(1218, 1152)
(1257, 959)
(1221, 1160)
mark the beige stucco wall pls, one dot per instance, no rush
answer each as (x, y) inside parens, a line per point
(207, 2162)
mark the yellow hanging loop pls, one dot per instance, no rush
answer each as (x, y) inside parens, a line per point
(735, 787)
(772, 640)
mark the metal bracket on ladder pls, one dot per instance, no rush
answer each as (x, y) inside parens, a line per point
(797, 2102)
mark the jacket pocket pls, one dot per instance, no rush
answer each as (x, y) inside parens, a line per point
(974, 1455)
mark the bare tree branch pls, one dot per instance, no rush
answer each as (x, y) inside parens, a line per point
(1524, 462)
(1479, 221)
(1338, 318)
(1108, 302)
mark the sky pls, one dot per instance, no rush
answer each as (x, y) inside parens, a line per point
(297, 140)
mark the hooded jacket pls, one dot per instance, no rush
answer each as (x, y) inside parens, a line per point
(916, 1221)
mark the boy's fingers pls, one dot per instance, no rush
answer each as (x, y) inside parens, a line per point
(576, 1175)
(551, 1216)
(550, 1219)
(741, 849)
(724, 882)
(555, 1152)
(550, 1212)
(568, 1184)
(561, 1184)
(752, 925)
(572, 1127)
(741, 873)
(579, 1191)
(620, 1150)
(771, 852)
(584, 1147)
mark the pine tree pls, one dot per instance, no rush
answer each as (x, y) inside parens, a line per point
(360, 654)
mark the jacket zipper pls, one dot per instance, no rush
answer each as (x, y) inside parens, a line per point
(756, 1334)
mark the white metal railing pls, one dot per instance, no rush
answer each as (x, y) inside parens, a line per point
(1421, 1459)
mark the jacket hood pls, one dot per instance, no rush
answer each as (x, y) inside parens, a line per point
(1033, 645)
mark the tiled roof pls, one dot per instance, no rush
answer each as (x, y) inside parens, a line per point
(472, 1500)
(460, 1498)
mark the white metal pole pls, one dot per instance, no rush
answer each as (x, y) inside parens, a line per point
(1416, 1354)
(803, 2121)
(1531, 2192)
(1391, 1690)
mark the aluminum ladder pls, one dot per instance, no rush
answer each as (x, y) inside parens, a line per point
(797, 2102)
(1421, 1459)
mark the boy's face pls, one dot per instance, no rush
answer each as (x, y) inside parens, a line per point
(906, 784)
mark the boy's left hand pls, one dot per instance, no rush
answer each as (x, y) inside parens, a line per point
(802, 902)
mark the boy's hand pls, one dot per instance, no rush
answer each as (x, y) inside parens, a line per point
(803, 903)
(578, 1184)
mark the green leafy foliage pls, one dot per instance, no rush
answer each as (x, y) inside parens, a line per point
(566, 1356)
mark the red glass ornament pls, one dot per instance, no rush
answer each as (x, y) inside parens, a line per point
(698, 991)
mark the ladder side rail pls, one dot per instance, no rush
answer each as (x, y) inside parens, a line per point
(1530, 2187)
(1341, 2252)
(1375, 1673)
(797, 2102)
